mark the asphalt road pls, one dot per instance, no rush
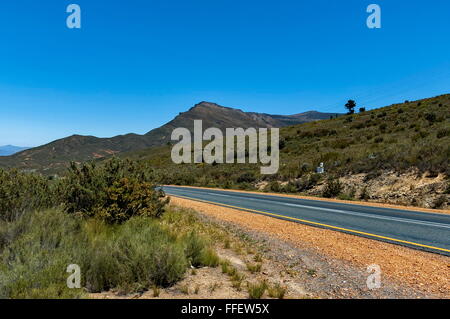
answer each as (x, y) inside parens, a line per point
(418, 230)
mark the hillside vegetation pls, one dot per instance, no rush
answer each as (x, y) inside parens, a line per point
(406, 137)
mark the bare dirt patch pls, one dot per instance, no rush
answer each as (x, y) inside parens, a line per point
(340, 260)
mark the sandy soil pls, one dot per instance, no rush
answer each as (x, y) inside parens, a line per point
(345, 257)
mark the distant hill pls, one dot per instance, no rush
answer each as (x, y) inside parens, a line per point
(7, 150)
(57, 154)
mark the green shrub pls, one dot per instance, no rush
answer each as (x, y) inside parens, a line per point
(168, 265)
(104, 270)
(447, 191)
(209, 258)
(440, 202)
(128, 198)
(332, 188)
(150, 253)
(198, 252)
(257, 290)
(254, 268)
(443, 133)
(236, 280)
(131, 257)
(134, 257)
(276, 291)
(274, 187)
(258, 258)
(225, 265)
(114, 192)
(364, 195)
(313, 180)
(245, 186)
(194, 249)
(39, 248)
(379, 140)
(24, 192)
(431, 117)
(342, 143)
(156, 291)
(83, 189)
(246, 178)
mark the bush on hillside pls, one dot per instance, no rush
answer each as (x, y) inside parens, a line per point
(447, 191)
(443, 133)
(333, 188)
(246, 178)
(22, 192)
(430, 117)
(114, 192)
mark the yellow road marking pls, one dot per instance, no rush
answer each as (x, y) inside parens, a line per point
(315, 223)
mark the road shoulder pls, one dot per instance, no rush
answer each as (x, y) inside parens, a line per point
(420, 271)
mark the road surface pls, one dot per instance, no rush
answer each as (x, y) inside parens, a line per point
(418, 230)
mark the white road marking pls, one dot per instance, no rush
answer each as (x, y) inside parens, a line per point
(398, 219)
(357, 214)
(219, 195)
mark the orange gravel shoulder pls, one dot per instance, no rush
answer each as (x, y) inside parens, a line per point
(371, 204)
(424, 271)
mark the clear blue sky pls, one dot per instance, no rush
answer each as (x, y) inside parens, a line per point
(136, 64)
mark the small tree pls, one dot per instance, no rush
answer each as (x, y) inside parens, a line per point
(127, 198)
(430, 117)
(333, 188)
(350, 106)
(362, 110)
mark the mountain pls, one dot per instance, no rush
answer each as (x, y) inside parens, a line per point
(214, 115)
(57, 154)
(7, 150)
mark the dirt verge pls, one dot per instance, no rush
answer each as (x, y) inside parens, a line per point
(425, 274)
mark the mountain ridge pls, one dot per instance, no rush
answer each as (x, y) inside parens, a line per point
(79, 148)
